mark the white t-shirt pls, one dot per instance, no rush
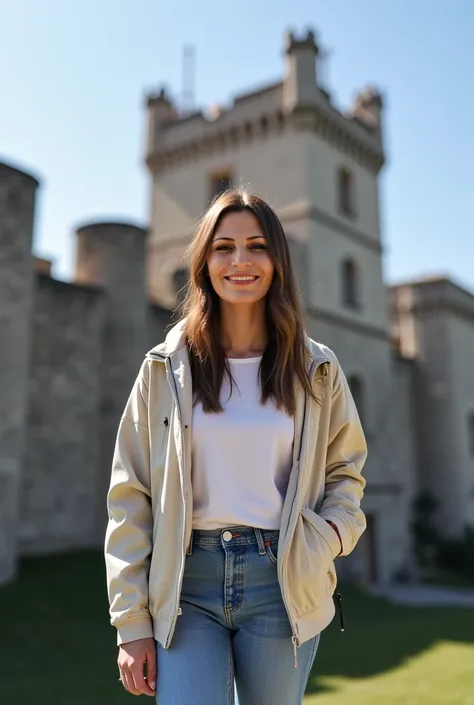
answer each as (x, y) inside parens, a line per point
(241, 457)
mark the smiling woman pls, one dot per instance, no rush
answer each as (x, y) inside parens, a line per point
(236, 481)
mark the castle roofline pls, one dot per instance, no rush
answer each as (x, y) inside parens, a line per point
(441, 279)
(110, 224)
(9, 167)
(432, 293)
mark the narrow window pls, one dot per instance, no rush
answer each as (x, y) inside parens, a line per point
(356, 385)
(180, 283)
(345, 187)
(350, 284)
(470, 430)
(220, 181)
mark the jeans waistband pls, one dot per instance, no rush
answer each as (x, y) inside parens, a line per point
(232, 536)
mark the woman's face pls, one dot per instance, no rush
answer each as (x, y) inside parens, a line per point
(239, 264)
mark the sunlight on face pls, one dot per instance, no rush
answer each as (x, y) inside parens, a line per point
(239, 265)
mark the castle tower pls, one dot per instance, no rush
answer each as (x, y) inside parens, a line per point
(17, 209)
(112, 255)
(319, 168)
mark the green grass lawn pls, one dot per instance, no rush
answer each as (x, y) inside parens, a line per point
(57, 647)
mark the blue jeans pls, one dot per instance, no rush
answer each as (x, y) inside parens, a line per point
(233, 633)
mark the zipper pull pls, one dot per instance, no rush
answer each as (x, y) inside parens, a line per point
(296, 644)
(341, 613)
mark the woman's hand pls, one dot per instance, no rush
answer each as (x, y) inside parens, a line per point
(131, 659)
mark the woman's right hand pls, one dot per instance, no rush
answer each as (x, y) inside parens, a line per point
(131, 659)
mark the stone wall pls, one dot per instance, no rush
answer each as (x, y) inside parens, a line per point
(112, 255)
(17, 210)
(58, 498)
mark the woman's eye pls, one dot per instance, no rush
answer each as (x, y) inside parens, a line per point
(259, 246)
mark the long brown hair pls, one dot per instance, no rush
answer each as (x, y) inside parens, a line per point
(285, 357)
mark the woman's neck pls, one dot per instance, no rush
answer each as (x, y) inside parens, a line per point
(243, 330)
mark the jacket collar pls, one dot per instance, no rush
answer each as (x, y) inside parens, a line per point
(176, 339)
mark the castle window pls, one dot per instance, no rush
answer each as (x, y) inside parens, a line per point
(470, 430)
(350, 284)
(356, 385)
(180, 283)
(220, 181)
(345, 191)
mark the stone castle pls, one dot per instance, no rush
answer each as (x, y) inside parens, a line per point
(69, 352)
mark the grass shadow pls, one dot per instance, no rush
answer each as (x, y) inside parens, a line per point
(381, 636)
(59, 648)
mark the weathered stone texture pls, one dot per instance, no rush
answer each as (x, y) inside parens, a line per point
(112, 255)
(17, 201)
(58, 497)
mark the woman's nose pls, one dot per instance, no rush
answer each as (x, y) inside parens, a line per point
(241, 258)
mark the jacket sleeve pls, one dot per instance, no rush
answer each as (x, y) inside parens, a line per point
(128, 539)
(346, 455)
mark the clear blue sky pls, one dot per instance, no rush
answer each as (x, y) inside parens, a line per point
(74, 75)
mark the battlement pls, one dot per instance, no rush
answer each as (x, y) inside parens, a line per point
(298, 101)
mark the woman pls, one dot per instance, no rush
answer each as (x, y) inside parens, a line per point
(236, 481)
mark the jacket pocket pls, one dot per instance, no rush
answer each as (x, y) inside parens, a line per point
(311, 570)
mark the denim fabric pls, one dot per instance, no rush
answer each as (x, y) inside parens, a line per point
(233, 633)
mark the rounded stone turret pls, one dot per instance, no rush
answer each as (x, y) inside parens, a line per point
(112, 255)
(17, 212)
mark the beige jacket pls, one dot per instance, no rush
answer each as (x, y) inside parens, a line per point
(150, 497)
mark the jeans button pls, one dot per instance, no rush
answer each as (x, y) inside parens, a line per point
(227, 535)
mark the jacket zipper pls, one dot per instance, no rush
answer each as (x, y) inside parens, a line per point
(295, 638)
(174, 392)
(177, 611)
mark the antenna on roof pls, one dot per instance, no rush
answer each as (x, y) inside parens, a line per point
(189, 79)
(323, 66)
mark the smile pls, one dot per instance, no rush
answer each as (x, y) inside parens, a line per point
(242, 278)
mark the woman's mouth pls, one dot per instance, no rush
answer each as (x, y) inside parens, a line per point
(242, 279)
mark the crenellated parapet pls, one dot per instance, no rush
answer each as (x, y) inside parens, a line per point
(297, 102)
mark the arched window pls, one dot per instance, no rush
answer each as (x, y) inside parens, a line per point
(356, 385)
(470, 430)
(180, 283)
(345, 191)
(350, 284)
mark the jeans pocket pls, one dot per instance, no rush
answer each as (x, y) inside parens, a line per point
(272, 551)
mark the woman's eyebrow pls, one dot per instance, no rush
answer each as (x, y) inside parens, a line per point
(252, 237)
